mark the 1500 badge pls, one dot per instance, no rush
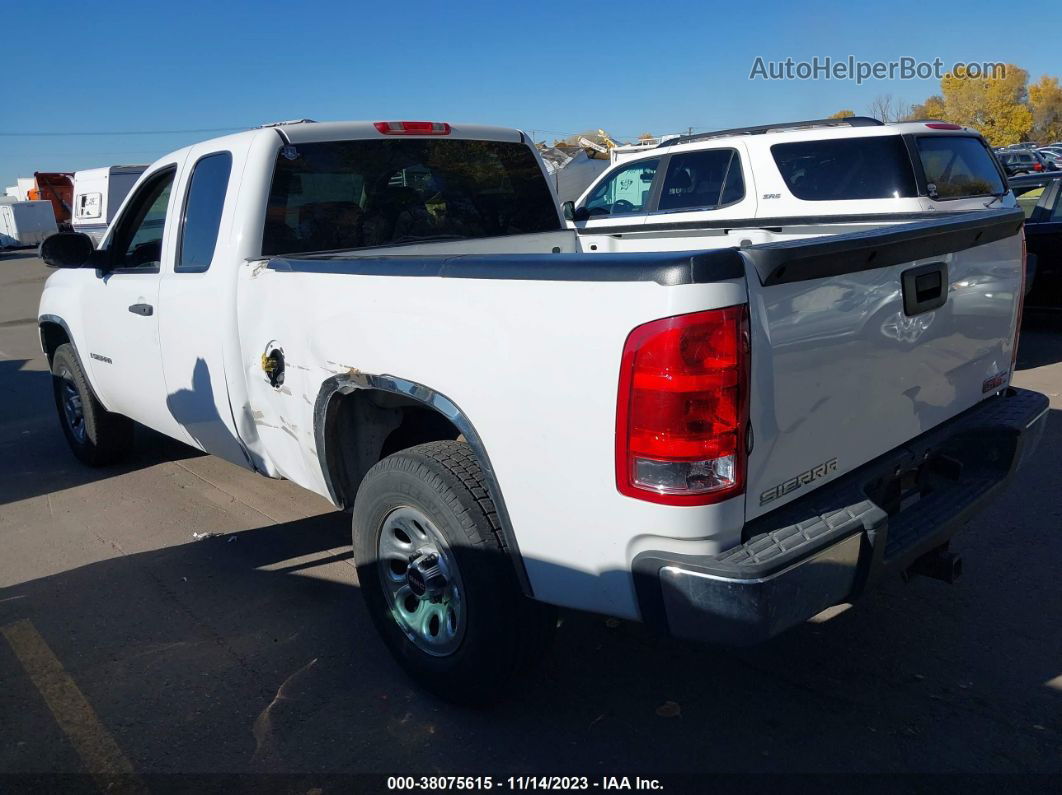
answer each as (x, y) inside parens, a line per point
(791, 485)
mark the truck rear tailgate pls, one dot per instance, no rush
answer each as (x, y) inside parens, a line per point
(862, 342)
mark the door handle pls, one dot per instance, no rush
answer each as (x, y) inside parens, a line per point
(924, 288)
(142, 309)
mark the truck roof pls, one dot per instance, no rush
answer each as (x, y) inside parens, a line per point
(307, 132)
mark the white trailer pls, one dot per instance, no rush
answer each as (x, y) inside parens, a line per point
(98, 193)
(26, 223)
(23, 187)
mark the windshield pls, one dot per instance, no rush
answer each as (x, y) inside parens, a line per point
(958, 166)
(357, 194)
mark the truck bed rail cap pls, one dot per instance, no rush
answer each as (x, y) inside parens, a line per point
(667, 269)
(801, 260)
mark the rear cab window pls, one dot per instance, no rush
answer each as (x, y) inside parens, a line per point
(203, 206)
(958, 167)
(340, 195)
(842, 169)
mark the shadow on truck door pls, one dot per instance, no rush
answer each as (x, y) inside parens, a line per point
(196, 410)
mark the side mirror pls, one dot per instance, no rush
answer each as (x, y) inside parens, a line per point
(67, 250)
(571, 213)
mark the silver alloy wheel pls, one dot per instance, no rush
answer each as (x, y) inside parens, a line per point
(421, 582)
(72, 408)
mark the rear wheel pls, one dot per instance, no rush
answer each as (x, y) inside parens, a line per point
(438, 582)
(96, 436)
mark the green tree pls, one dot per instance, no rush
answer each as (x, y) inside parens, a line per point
(841, 114)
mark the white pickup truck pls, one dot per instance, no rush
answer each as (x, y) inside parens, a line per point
(720, 437)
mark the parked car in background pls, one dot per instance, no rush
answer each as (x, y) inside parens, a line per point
(1040, 196)
(1053, 156)
(765, 183)
(1023, 161)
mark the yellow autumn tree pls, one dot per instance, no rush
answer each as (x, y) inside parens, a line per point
(994, 105)
(932, 108)
(1045, 101)
(841, 114)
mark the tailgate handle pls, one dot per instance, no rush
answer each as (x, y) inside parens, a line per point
(924, 288)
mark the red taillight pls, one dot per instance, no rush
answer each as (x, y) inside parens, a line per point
(942, 125)
(1038, 167)
(412, 127)
(682, 410)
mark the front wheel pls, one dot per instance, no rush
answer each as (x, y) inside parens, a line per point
(437, 580)
(96, 436)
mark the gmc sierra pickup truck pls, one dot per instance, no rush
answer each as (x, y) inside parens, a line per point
(719, 435)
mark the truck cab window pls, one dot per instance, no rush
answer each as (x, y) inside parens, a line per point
(202, 213)
(625, 192)
(138, 238)
(359, 194)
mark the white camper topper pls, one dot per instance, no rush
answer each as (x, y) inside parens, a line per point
(98, 193)
(26, 223)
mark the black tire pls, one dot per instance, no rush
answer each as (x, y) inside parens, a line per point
(504, 632)
(102, 437)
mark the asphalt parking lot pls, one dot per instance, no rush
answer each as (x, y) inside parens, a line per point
(177, 614)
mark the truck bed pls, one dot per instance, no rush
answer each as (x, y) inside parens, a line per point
(840, 371)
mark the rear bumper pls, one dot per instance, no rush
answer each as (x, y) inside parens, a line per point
(828, 547)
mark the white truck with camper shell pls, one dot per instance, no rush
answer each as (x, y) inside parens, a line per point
(719, 434)
(767, 183)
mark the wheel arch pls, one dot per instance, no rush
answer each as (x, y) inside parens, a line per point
(338, 404)
(54, 332)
